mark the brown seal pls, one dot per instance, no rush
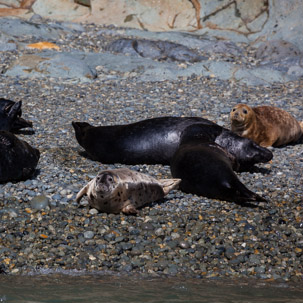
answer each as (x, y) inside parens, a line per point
(266, 125)
(124, 190)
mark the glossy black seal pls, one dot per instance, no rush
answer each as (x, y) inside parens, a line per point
(154, 141)
(18, 159)
(207, 169)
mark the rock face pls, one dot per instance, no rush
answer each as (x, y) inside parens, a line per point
(238, 19)
(144, 14)
(147, 56)
(219, 32)
(240, 15)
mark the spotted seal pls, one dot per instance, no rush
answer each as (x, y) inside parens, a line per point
(18, 159)
(10, 116)
(265, 125)
(206, 169)
(124, 190)
(154, 141)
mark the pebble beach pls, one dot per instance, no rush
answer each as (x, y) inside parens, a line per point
(43, 229)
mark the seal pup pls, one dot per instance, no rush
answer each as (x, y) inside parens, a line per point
(10, 116)
(18, 159)
(266, 125)
(124, 190)
(154, 141)
(206, 169)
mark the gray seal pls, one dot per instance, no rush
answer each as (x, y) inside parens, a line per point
(124, 190)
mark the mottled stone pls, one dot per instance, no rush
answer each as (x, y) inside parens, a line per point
(39, 202)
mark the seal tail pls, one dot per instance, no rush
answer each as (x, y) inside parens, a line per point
(245, 195)
(169, 184)
(81, 193)
(15, 110)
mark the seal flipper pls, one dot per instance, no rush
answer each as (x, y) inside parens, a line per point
(243, 195)
(169, 184)
(82, 192)
(129, 209)
(14, 110)
(21, 123)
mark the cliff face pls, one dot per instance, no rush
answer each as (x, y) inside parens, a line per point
(233, 19)
(239, 15)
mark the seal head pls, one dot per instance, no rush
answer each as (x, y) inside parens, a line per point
(206, 169)
(245, 151)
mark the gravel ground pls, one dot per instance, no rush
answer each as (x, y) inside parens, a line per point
(183, 234)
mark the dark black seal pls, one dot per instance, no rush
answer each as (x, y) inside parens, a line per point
(10, 116)
(18, 159)
(206, 169)
(154, 141)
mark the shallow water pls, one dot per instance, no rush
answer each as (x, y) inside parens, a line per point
(66, 289)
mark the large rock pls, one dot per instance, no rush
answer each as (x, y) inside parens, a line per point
(63, 10)
(240, 15)
(18, 28)
(284, 23)
(55, 65)
(144, 14)
(82, 67)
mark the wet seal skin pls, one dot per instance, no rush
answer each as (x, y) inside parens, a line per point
(154, 141)
(265, 125)
(10, 116)
(206, 169)
(124, 190)
(18, 159)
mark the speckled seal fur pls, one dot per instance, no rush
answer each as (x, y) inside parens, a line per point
(124, 190)
(266, 125)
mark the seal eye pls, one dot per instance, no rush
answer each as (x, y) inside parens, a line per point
(110, 179)
(234, 109)
(244, 111)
